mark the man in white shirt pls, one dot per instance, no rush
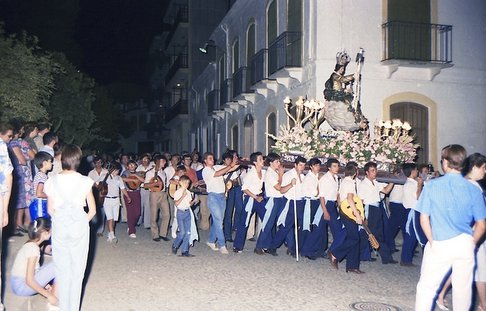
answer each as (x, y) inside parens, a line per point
(369, 191)
(292, 191)
(253, 201)
(159, 204)
(143, 168)
(274, 204)
(326, 215)
(213, 177)
(411, 192)
(98, 174)
(234, 197)
(350, 248)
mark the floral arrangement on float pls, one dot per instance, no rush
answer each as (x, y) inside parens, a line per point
(390, 145)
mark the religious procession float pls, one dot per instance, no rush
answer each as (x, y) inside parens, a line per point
(389, 143)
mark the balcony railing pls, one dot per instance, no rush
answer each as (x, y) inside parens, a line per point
(181, 17)
(180, 107)
(213, 101)
(285, 51)
(258, 66)
(181, 62)
(418, 42)
(241, 81)
(225, 92)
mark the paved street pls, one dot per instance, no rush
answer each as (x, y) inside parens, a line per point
(139, 274)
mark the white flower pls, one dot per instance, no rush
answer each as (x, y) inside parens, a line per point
(406, 126)
(387, 124)
(287, 100)
(396, 123)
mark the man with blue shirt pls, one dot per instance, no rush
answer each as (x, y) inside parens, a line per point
(448, 206)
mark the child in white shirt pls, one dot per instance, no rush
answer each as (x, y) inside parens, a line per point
(183, 200)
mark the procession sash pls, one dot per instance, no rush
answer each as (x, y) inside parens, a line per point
(268, 210)
(283, 215)
(248, 208)
(307, 214)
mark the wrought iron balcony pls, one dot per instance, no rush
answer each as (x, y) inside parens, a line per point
(417, 42)
(241, 81)
(258, 66)
(225, 92)
(285, 51)
(213, 101)
(180, 107)
(181, 62)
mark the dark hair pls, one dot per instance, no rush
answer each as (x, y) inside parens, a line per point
(4, 127)
(186, 155)
(339, 66)
(227, 155)
(43, 125)
(422, 166)
(254, 156)
(132, 162)
(58, 147)
(353, 163)
(71, 157)
(180, 168)
(369, 165)
(314, 161)
(115, 166)
(17, 125)
(331, 161)
(41, 157)
(407, 168)
(272, 156)
(174, 156)
(300, 159)
(455, 156)
(29, 127)
(160, 157)
(48, 138)
(350, 170)
(474, 160)
(38, 226)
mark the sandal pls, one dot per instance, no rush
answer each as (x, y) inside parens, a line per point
(22, 229)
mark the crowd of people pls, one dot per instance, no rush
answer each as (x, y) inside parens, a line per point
(295, 208)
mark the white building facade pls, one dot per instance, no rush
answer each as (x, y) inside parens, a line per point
(423, 64)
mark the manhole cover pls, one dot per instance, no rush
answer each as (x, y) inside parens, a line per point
(374, 306)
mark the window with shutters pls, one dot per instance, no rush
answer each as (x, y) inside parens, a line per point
(418, 117)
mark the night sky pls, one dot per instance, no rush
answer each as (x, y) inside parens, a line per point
(107, 39)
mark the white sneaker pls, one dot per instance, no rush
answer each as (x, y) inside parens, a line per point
(223, 250)
(212, 246)
(133, 236)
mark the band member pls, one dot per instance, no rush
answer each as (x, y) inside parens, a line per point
(213, 177)
(253, 201)
(274, 204)
(159, 205)
(411, 193)
(134, 207)
(173, 185)
(369, 191)
(310, 191)
(142, 169)
(97, 174)
(234, 195)
(326, 215)
(349, 249)
(292, 191)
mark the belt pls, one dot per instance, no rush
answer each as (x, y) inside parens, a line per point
(111, 197)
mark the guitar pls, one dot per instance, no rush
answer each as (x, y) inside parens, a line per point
(102, 187)
(133, 183)
(156, 182)
(347, 211)
(228, 184)
(172, 189)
